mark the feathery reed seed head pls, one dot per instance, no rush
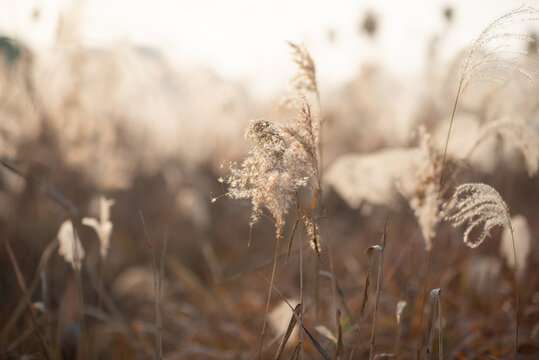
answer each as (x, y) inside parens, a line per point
(475, 204)
(283, 159)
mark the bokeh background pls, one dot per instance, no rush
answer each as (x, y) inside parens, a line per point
(147, 103)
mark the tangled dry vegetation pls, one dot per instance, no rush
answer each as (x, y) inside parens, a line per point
(114, 247)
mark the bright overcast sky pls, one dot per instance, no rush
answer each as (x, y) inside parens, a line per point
(244, 40)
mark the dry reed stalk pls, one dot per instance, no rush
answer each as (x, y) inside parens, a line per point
(313, 341)
(157, 293)
(378, 289)
(17, 312)
(262, 333)
(28, 301)
(45, 296)
(297, 351)
(132, 336)
(370, 255)
(78, 251)
(435, 295)
(47, 189)
(301, 283)
(424, 298)
(291, 325)
(162, 264)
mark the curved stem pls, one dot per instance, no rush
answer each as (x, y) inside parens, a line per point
(449, 131)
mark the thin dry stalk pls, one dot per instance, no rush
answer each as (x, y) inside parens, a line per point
(46, 303)
(435, 295)
(291, 325)
(297, 351)
(294, 228)
(78, 254)
(49, 190)
(301, 285)
(370, 255)
(158, 321)
(517, 305)
(333, 280)
(424, 298)
(162, 264)
(378, 291)
(340, 346)
(340, 292)
(28, 301)
(262, 333)
(140, 347)
(316, 289)
(313, 341)
(45, 256)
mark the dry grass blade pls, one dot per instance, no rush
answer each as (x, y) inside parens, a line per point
(340, 346)
(313, 341)
(297, 350)
(49, 190)
(49, 250)
(435, 296)
(263, 331)
(289, 330)
(158, 321)
(296, 223)
(340, 292)
(28, 301)
(370, 255)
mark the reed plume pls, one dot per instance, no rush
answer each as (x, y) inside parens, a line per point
(476, 204)
(490, 52)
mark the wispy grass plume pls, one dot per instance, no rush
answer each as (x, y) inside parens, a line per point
(476, 204)
(516, 133)
(283, 160)
(425, 196)
(305, 79)
(490, 52)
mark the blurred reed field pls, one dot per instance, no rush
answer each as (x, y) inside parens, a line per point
(386, 218)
